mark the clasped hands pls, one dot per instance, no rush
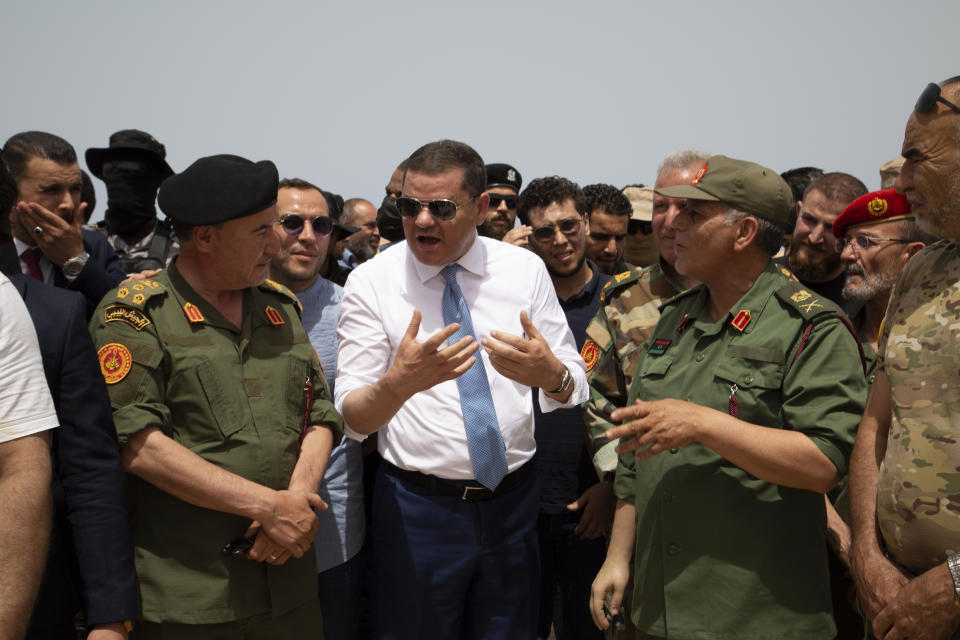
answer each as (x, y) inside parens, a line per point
(286, 528)
(421, 365)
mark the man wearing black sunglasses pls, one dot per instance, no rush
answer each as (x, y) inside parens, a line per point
(455, 506)
(503, 185)
(903, 472)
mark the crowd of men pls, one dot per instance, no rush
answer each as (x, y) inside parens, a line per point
(720, 406)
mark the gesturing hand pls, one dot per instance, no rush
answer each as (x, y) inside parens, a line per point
(59, 239)
(421, 365)
(659, 426)
(528, 361)
(519, 236)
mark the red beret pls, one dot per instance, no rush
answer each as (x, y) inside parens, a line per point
(874, 207)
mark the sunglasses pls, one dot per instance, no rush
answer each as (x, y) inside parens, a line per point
(642, 226)
(441, 209)
(546, 233)
(496, 199)
(862, 242)
(293, 223)
(930, 96)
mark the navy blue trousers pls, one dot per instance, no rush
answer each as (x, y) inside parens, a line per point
(444, 568)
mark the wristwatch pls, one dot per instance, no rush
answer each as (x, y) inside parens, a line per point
(953, 563)
(565, 382)
(73, 266)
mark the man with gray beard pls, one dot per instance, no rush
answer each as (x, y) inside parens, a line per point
(876, 235)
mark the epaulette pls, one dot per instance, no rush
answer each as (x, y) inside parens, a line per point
(135, 293)
(618, 283)
(273, 285)
(807, 303)
(787, 273)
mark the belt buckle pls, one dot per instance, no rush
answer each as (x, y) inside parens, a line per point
(467, 490)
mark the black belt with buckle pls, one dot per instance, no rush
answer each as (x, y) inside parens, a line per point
(469, 490)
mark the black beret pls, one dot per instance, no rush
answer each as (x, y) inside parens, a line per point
(219, 188)
(503, 175)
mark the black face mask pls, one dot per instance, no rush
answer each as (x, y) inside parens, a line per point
(130, 203)
(389, 221)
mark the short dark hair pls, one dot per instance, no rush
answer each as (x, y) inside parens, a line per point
(838, 187)
(608, 198)
(543, 192)
(297, 183)
(438, 157)
(799, 178)
(18, 150)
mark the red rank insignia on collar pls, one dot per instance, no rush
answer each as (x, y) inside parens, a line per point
(683, 323)
(273, 316)
(193, 313)
(741, 320)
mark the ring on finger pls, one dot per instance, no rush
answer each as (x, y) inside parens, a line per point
(38, 230)
(274, 557)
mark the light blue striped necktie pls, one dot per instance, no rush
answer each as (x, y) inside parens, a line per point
(487, 451)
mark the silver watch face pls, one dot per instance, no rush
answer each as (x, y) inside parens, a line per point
(74, 265)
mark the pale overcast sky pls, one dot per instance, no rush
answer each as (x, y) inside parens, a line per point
(339, 93)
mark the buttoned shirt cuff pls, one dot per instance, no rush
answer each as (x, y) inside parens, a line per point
(581, 391)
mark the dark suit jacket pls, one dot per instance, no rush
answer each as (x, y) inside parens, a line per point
(90, 563)
(103, 270)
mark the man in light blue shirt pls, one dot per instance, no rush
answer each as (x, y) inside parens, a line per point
(304, 228)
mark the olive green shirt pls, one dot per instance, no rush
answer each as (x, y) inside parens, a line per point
(236, 398)
(720, 553)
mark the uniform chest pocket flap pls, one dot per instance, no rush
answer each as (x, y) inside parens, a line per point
(222, 407)
(747, 373)
(655, 367)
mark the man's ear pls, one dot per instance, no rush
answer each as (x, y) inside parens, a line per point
(483, 202)
(203, 237)
(747, 229)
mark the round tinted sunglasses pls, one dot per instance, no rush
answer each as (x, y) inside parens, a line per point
(441, 209)
(930, 96)
(293, 223)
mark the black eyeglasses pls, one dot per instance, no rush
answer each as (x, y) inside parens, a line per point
(441, 209)
(293, 223)
(642, 226)
(496, 199)
(546, 233)
(862, 242)
(930, 96)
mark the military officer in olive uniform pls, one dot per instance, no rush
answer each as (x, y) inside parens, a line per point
(741, 413)
(224, 418)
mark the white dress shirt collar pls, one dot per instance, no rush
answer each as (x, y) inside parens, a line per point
(474, 261)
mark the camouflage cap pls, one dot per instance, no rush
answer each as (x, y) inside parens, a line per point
(743, 185)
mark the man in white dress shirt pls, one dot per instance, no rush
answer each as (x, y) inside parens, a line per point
(454, 544)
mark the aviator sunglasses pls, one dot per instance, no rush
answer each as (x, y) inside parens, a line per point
(546, 233)
(293, 223)
(930, 96)
(441, 209)
(496, 199)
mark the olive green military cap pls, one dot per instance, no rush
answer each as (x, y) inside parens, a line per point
(743, 185)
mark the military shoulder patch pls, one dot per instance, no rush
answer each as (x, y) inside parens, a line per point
(807, 303)
(122, 313)
(135, 293)
(618, 283)
(115, 362)
(590, 354)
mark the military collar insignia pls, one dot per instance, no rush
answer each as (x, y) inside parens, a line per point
(115, 362)
(741, 320)
(702, 172)
(590, 354)
(273, 316)
(193, 313)
(659, 347)
(789, 274)
(683, 323)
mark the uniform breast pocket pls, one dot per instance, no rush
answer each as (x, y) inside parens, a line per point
(756, 386)
(649, 383)
(297, 373)
(223, 407)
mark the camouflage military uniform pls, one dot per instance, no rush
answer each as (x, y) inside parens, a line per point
(630, 308)
(718, 552)
(154, 251)
(918, 492)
